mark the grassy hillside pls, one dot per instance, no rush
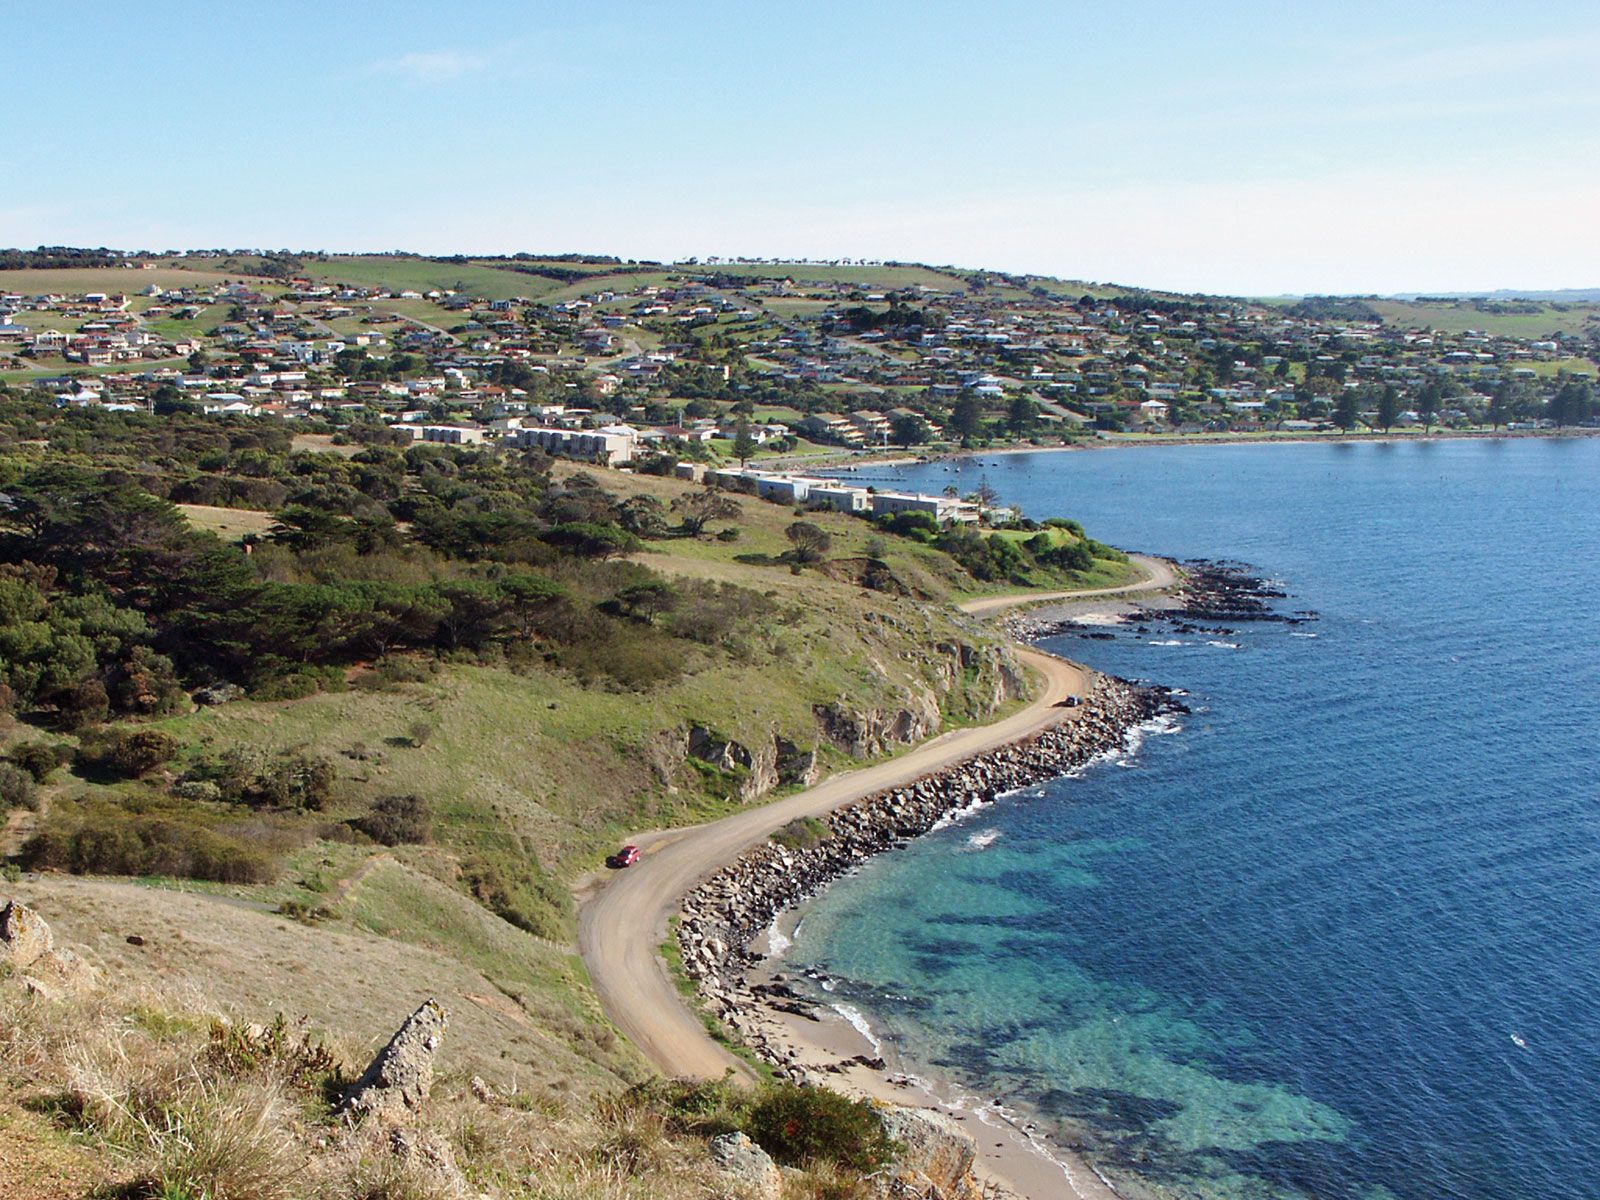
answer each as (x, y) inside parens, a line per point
(1462, 315)
(369, 818)
(75, 280)
(424, 275)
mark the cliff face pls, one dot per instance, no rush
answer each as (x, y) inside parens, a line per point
(958, 679)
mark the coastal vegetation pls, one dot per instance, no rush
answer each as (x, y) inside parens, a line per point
(395, 714)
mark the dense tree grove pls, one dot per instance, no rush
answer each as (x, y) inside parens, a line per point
(112, 604)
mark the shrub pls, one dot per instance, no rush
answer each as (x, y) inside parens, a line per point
(701, 1108)
(17, 788)
(281, 1049)
(802, 833)
(39, 759)
(799, 1126)
(251, 777)
(397, 820)
(140, 751)
(107, 840)
(86, 704)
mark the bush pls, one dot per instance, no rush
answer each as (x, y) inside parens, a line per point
(699, 1108)
(251, 777)
(39, 759)
(802, 833)
(140, 751)
(17, 788)
(800, 1126)
(86, 704)
(106, 840)
(398, 820)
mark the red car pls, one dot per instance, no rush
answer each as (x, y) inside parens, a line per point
(625, 857)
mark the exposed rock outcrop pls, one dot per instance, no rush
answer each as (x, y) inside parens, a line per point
(25, 937)
(431, 1161)
(747, 1165)
(869, 732)
(935, 1160)
(401, 1075)
(28, 946)
(770, 762)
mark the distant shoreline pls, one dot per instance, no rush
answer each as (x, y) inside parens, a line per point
(904, 459)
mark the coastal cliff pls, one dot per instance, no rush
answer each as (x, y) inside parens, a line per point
(725, 913)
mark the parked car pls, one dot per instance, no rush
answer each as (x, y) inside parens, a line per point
(625, 857)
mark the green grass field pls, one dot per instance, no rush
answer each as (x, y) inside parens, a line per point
(127, 280)
(1460, 316)
(424, 275)
(868, 278)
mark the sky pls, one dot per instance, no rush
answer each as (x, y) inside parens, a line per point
(1238, 148)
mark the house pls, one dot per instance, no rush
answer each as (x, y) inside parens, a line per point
(941, 508)
(827, 427)
(454, 435)
(823, 494)
(783, 489)
(607, 447)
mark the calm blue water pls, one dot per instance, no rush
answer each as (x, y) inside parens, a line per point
(1285, 951)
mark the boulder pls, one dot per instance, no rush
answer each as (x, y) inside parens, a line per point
(431, 1162)
(401, 1075)
(61, 971)
(25, 938)
(935, 1160)
(746, 1163)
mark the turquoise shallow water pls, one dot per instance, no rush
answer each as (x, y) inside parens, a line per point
(1338, 934)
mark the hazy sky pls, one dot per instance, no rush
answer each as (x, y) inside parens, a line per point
(1250, 148)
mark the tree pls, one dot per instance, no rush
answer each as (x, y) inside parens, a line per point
(966, 418)
(744, 446)
(1022, 415)
(647, 599)
(1388, 406)
(1344, 410)
(984, 495)
(1499, 404)
(1571, 403)
(698, 509)
(811, 542)
(1428, 404)
(642, 515)
(908, 429)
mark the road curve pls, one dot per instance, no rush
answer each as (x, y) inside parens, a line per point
(1159, 574)
(623, 915)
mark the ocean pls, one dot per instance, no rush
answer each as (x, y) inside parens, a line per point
(1335, 933)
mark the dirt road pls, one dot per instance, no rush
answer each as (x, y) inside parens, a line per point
(622, 922)
(623, 915)
(1159, 575)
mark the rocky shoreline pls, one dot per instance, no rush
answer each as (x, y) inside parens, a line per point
(1215, 597)
(726, 912)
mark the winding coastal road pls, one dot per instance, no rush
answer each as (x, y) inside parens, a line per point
(623, 915)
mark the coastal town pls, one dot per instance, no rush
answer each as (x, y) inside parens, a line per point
(694, 366)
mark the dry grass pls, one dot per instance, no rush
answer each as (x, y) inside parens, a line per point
(347, 979)
(127, 1089)
(230, 524)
